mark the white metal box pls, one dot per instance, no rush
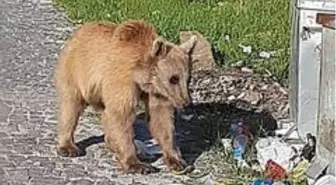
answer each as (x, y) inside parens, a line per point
(312, 79)
(305, 63)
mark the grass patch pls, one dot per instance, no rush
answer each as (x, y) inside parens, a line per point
(264, 25)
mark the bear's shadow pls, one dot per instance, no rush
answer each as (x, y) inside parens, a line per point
(207, 124)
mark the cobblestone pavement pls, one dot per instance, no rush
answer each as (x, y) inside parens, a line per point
(30, 38)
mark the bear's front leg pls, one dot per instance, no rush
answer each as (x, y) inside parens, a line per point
(162, 129)
(118, 126)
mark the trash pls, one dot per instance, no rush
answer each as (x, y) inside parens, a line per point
(266, 55)
(256, 167)
(326, 180)
(227, 144)
(239, 145)
(247, 70)
(282, 163)
(278, 183)
(298, 174)
(246, 49)
(240, 138)
(275, 150)
(295, 159)
(147, 150)
(237, 128)
(274, 171)
(146, 146)
(258, 181)
(227, 37)
(187, 117)
(239, 63)
(308, 151)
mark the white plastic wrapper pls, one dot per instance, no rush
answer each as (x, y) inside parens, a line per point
(274, 149)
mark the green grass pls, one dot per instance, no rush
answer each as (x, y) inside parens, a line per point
(263, 24)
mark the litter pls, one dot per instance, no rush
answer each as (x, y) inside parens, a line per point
(246, 49)
(239, 145)
(240, 139)
(237, 128)
(239, 63)
(227, 144)
(274, 171)
(272, 149)
(258, 181)
(146, 146)
(326, 180)
(266, 55)
(246, 70)
(298, 174)
(308, 151)
(227, 37)
(278, 183)
(150, 149)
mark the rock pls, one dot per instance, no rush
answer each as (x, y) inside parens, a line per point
(202, 58)
(252, 97)
(247, 91)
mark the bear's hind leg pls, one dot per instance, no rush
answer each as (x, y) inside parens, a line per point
(71, 106)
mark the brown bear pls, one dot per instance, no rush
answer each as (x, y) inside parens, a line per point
(110, 67)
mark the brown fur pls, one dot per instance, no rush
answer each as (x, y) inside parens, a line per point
(108, 66)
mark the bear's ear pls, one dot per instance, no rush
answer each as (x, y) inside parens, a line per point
(160, 47)
(189, 45)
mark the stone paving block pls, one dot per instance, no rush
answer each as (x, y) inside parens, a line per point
(81, 182)
(4, 111)
(17, 174)
(4, 135)
(2, 172)
(4, 182)
(37, 171)
(5, 163)
(18, 183)
(47, 181)
(18, 159)
(74, 173)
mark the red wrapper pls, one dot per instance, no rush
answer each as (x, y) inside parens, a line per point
(274, 171)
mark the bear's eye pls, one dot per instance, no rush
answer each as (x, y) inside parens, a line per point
(174, 80)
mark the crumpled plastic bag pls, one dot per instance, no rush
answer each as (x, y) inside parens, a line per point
(326, 180)
(147, 150)
(145, 145)
(277, 151)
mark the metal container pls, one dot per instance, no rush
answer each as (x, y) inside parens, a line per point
(312, 80)
(325, 148)
(305, 63)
